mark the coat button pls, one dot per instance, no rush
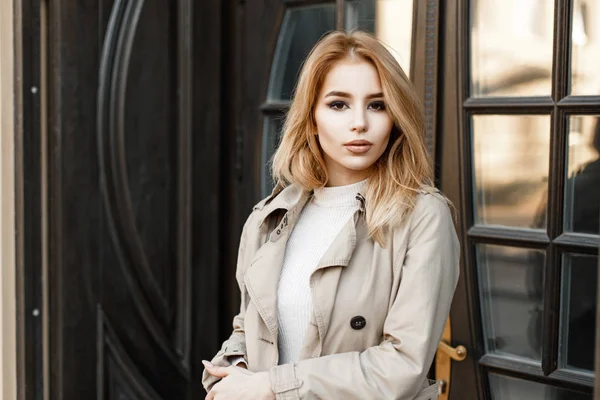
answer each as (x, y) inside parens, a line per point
(358, 322)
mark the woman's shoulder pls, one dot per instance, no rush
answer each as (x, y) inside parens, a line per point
(430, 205)
(433, 212)
(430, 199)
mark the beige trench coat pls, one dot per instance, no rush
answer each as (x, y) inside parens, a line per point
(403, 291)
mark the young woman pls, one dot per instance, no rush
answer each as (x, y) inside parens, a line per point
(347, 270)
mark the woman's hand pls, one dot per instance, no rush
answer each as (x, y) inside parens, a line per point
(239, 384)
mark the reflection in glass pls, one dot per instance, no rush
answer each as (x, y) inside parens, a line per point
(511, 47)
(582, 188)
(389, 20)
(511, 285)
(508, 388)
(578, 311)
(271, 136)
(302, 27)
(585, 48)
(511, 158)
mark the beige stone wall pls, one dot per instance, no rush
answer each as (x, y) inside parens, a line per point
(8, 377)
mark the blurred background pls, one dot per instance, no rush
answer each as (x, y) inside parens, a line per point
(136, 137)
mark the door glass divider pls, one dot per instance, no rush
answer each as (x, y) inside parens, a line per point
(580, 104)
(510, 104)
(578, 242)
(467, 200)
(340, 14)
(561, 56)
(275, 107)
(509, 235)
(525, 369)
(556, 184)
(300, 3)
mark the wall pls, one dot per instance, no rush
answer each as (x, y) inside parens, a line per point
(7, 207)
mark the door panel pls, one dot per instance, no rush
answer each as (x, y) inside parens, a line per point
(134, 238)
(138, 164)
(510, 62)
(578, 309)
(505, 387)
(523, 150)
(584, 49)
(146, 258)
(301, 28)
(510, 169)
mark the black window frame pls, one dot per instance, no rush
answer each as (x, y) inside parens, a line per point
(554, 241)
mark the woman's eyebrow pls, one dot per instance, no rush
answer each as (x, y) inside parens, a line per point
(348, 95)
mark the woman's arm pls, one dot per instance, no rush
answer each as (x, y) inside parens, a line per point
(234, 347)
(231, 349)
(397, 367)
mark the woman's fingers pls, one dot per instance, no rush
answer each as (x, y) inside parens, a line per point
(213, 391)
(219, 372)
(242, 384)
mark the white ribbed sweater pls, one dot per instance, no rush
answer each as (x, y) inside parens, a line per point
(320, 221)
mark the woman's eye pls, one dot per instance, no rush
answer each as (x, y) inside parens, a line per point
(377, 106)
(337, 105)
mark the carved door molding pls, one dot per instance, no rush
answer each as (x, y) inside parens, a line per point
(119, 177)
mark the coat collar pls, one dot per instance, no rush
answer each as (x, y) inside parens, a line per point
(286, 198)
(262, 275)
(281, 198)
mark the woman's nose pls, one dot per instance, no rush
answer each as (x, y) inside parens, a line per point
(359, 122)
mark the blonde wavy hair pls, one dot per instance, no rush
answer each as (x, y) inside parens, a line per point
(402, 169)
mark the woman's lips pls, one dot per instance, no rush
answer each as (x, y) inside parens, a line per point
(358, 146)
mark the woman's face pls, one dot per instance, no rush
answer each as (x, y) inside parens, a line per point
(352, 121)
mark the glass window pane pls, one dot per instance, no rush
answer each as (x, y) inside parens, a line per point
(302, 27)
(389, 20)
(271, 136)
(582, 189)
(511, 47)
(578, 311)
(585, 47)
(511, 159)
(511, 285)
(508, 388)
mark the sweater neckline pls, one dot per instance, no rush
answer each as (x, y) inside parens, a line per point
(339, 196)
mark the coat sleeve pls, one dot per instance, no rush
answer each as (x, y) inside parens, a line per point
(397, 367)
(234, 347)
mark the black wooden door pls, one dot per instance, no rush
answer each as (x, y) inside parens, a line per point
(520, 162)
(132, 197)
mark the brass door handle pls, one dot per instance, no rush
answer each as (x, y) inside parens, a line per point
(457, 353)
(443, 361)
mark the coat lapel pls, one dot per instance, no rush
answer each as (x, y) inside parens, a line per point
(261, 281)
(324, 280)
(262, 276)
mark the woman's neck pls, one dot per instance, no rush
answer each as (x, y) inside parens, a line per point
(339, 195)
